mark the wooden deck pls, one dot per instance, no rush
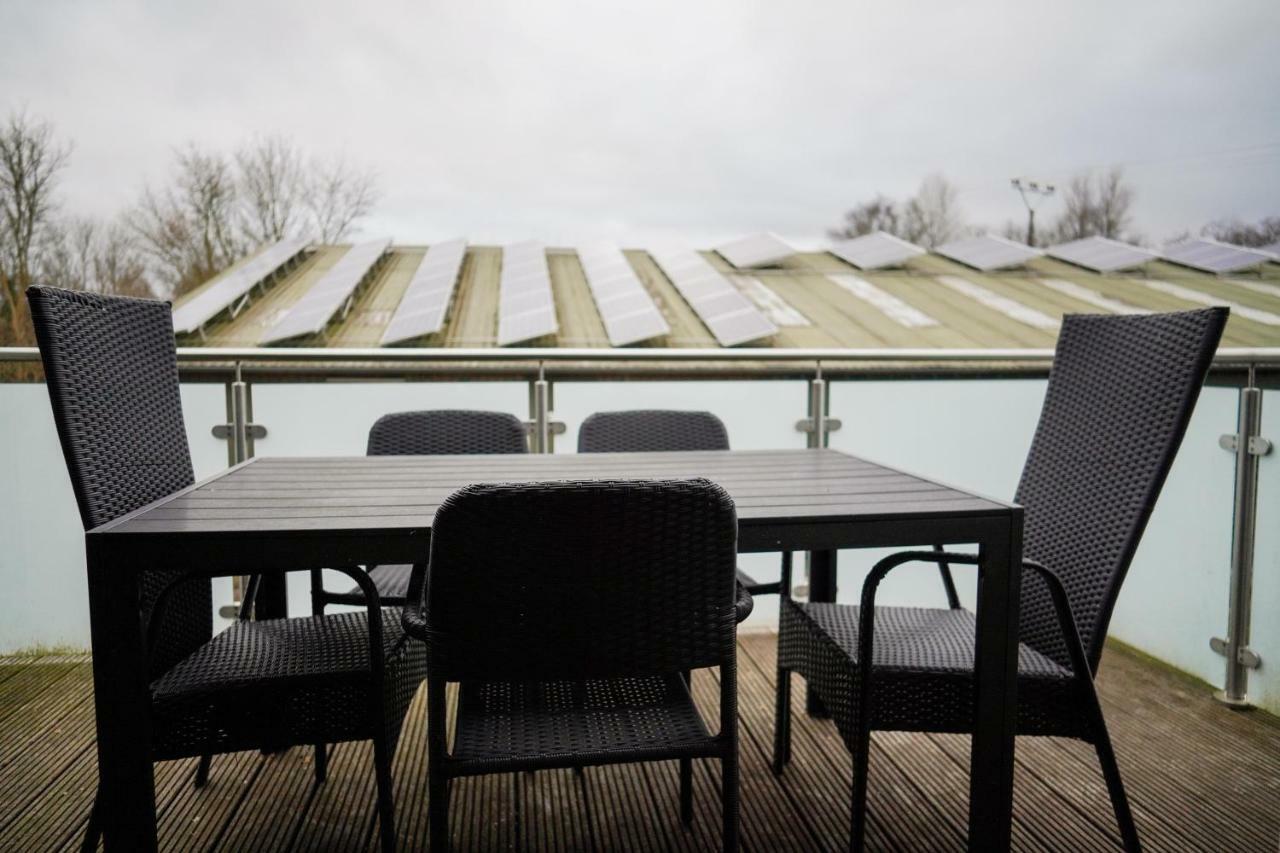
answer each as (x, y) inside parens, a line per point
(1200, 777)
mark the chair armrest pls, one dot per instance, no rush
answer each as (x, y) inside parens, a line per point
(1066, 618)
(414, 614)
(744, 603)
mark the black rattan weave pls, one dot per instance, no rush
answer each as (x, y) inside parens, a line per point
(569, 613)
(658, 431)
(446, 431)
(426, 433)
(112, 376)
(1120, 396)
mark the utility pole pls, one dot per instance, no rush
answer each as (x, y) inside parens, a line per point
(1033, 193)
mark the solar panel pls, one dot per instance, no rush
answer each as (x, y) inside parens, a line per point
(1211, 256)
(426, 300)
(729, 315)
(330, 294)
(1010, 308)
(758, 250)
(628, 311)
(1273, 250)
(876, 250)
(988, 252)
(1100, 254)
(526, 307)
(227, 291)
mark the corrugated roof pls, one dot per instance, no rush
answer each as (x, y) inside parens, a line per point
(990, 310)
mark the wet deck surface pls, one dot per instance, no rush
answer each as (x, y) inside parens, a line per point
(1199, 777)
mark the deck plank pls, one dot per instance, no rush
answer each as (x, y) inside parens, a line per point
(1199, 777)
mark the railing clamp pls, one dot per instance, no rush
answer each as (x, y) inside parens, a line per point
(1245, 656)
(227, 431)
(807, 424)
(1258, 446)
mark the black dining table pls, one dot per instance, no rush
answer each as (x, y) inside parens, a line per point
(272, 515)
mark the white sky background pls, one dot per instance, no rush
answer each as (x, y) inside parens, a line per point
(576, 121)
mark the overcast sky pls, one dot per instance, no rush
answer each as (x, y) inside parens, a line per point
(574, 121)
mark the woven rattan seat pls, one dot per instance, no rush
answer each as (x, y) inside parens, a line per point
(571, 614)
(1120, 396)
(622, 719)
(661, 431)
(307, 676)
(914, 642)
(112, 374)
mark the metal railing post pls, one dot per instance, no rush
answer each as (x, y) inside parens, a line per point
(818, 410)
(540, 411)
(239, 418)
(1249, 447)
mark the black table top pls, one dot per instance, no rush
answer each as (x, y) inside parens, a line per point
(294, 495)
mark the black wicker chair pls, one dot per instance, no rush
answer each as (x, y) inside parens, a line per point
(568, 624)
(426, 433)
(1120, 395)
(112, 376)
(657, 431)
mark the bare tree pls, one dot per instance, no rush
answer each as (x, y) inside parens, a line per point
(189, 229)
(272, 184)
(1115, 198)
(1096, 205)
(338, 195)
(878, 214)
(933, 216)
(81, 254)
(1077, 221)
(1263, 233)
(30, 163)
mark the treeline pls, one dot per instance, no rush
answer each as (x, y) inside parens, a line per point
(211, 209)
(1090, 204)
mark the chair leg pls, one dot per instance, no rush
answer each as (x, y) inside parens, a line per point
(93, 830)
(729, 799)
(1115, 785)
(202, 771)
(438, 811)
(782, 722)
(858, 812)
(386, 805)
(322, 762)
(686, 791)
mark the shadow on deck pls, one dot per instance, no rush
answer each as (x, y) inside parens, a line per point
(1199, 776)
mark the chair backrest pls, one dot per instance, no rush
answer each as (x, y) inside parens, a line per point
(446, 431)
(576, 580)
(112, 374)
(1120, 395)
(651, 431)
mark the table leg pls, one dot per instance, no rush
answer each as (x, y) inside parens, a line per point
(996, 670)
(122, 702)
(822, 587)
(272, 601)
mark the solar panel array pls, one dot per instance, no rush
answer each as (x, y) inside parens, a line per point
(1100, 254)
(758, 250)
(328, 295)
(526, 307)
(426, 300)
(729, 315)
(224, 293)
(1211, 256)
(988, 252)
(876, 250)
(628, 311)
